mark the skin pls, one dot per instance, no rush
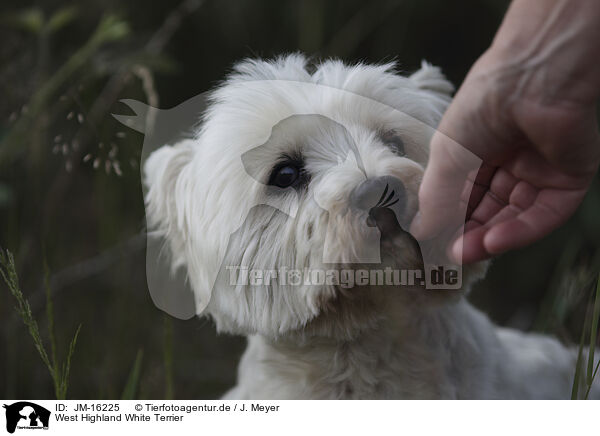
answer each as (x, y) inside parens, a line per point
(527, 109)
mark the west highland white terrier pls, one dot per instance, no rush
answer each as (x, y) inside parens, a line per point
(287, 210)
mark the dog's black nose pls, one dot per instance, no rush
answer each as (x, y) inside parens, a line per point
(386, 191)
(384, 198)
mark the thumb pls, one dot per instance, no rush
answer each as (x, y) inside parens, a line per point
(445, 189)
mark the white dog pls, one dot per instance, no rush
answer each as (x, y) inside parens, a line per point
(295, 170)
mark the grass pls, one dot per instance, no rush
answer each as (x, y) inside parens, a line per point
(586, 381)
(131, 387)
(59, 371)
(168, 357)
(586, 370)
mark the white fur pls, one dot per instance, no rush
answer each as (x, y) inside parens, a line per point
(324, 341)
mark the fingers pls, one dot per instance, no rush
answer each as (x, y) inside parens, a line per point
(529, 216)
(548, 212)
(469, 247)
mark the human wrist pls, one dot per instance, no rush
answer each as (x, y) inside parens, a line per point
(555, 44)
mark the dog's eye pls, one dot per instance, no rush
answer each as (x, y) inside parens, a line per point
(285, 175)
(394, 143)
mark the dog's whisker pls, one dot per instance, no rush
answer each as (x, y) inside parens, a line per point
(392, 203)
(382, 195)
(390, 196)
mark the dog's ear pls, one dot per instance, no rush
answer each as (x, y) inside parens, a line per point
(431, 79)
(433, 85)
(164, 177)
(170, 182)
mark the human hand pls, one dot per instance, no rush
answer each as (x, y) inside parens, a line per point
(528, 110)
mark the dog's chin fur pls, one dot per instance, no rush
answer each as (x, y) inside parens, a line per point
(209, 198)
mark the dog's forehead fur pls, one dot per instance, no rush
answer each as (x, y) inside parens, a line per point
(381, 83)
(258, 94)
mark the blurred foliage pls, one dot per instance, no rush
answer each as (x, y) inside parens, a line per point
(69, 175)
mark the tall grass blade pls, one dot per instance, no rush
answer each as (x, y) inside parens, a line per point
(51, 334)
(579, 364)
(589, 388)
(131, 387)
(67, 365)
(59, 378)
(593, 335)
(9, 274)
(168, 357)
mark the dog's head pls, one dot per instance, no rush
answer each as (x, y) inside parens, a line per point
(290, 172)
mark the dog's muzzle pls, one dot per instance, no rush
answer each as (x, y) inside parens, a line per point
(384, 198)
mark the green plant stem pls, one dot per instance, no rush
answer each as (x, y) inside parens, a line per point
(168, 357)
(593, 335)
(59, 373)
(50, 316)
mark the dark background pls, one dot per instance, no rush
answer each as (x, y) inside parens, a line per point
(58, 87)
